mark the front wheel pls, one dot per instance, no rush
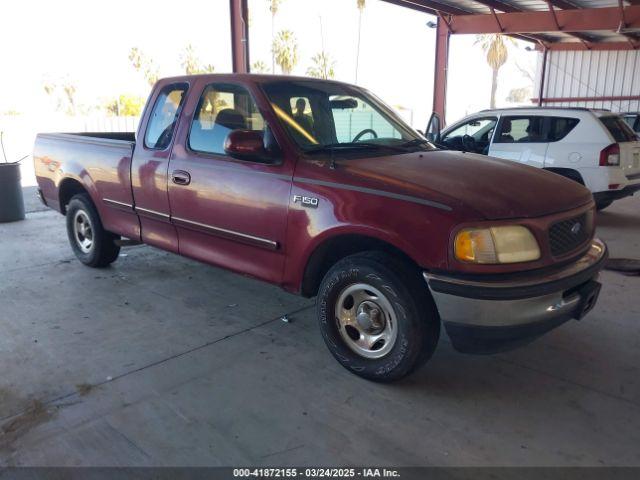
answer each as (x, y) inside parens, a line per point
(376, 317)
(91, 243)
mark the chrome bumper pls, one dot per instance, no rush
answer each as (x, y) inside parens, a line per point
(487, 316)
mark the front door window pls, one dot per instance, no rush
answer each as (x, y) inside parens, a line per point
(471, 136)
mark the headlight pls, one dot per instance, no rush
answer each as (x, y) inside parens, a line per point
(508, 244)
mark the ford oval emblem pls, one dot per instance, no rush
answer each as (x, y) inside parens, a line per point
(576, 228)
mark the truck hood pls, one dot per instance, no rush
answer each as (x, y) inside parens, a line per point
(495, 188)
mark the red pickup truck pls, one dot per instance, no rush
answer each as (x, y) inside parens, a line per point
(319, 187)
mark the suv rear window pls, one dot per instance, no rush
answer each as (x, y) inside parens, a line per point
(618, 129)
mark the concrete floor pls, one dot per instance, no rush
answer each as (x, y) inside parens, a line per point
(163, 361)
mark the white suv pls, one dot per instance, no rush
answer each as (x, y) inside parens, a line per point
(594, 147)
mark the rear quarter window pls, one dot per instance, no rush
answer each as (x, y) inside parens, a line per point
(164, 115)
(619, 130)
(560, 127)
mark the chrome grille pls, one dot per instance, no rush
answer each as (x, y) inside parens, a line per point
(567, 235)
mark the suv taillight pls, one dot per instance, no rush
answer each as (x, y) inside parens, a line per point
(610, 156)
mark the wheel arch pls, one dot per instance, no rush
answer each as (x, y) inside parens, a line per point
(334, 248)
(68, 187)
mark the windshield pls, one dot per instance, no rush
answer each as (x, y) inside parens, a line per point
(323, 117)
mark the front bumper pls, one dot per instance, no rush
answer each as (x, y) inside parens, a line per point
(486, 316)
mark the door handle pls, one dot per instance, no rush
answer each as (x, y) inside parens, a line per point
(180, 177)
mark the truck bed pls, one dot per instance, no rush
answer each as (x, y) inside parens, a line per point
(101, 162)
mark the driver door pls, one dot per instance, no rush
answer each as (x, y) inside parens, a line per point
(228, 212)
(472, 135)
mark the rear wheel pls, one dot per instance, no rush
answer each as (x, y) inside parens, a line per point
(376, 317)
(91, 243)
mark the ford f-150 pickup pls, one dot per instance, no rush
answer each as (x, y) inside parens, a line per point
(319, 187)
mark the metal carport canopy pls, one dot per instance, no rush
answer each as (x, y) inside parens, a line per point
(550, 24)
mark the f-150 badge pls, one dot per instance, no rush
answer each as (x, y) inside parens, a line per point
(309, 202)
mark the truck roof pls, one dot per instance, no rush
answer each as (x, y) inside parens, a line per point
(252, 77)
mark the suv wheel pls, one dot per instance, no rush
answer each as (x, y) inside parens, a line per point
(91, 243)
(377, 317)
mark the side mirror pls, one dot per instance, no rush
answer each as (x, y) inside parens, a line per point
(246, 145)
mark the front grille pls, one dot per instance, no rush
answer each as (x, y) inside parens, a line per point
(567, 235)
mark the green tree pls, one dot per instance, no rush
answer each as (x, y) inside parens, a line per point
(285, 50)
(361, 5)
(125, 105)
(191, 63)
(274, 6)
(144, 65)
(323, 66)
(494, 47)
(259, 67)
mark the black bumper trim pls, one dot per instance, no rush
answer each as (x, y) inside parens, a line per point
(617, 194)
(489, 340)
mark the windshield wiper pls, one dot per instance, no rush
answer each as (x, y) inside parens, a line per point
(415, 142)
(331, 147)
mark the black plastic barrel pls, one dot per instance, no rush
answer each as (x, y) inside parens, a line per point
(11, 201)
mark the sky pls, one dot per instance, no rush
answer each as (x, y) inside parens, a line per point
(87, 43)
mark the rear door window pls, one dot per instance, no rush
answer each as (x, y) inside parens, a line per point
(619, 130)
(164, 116)
(521, 129)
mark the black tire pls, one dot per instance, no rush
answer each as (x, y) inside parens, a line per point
(417, 319)
(602, 204)
(102, 250)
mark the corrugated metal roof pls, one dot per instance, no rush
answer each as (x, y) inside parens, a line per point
(500, 6)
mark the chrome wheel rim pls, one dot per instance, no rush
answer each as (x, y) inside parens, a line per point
(366, 320)
(83, 231)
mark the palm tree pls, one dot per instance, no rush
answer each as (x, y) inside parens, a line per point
(322, 66)
(285, 50)
(145, 65)
(274, 6)
(361, 4)
(494, 47)
(191, 63)
(259, 67)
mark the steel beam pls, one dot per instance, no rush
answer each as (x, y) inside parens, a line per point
(440, 71)
(429, 6)
(239, 35)
(540, 22)
(543, 76)
(591, 99)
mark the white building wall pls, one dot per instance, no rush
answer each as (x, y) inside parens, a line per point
(571, 74)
